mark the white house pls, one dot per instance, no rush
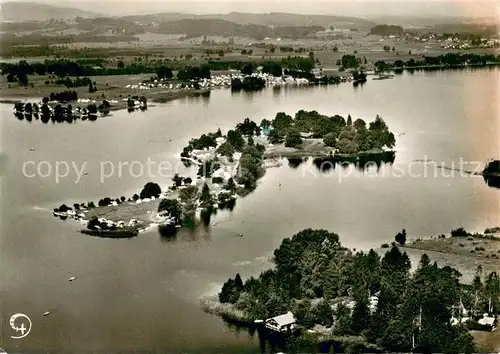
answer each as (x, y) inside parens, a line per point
(486, 320)
(281, 323)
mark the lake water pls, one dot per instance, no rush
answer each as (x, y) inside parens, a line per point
(141, 294)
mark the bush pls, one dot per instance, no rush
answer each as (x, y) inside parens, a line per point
(150, 190)
(135, 197)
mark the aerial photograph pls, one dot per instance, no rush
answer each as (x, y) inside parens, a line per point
(236, 177)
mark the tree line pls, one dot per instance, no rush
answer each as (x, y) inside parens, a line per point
(446, 60)
(346, 136)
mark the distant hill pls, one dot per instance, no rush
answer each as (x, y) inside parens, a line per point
(217, 27)
(287, 19)
(264, 19)
(31, 11)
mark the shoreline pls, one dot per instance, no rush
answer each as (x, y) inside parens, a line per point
(155, 97)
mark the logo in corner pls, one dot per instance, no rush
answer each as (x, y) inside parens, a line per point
(20, 323)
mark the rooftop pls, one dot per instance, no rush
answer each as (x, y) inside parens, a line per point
(284, 320)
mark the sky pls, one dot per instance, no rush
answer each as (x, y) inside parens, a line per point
(357, 8)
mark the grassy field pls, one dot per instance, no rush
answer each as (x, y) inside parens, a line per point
(476, 247)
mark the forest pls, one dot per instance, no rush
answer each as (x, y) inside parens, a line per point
(374, 298)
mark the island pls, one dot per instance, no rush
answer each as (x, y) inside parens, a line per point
(229, 167)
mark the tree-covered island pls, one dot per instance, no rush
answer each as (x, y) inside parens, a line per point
(229, 165)
(362, 301)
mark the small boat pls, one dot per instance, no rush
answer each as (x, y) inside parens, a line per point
(46, 313)
(32, 149)
(71, 278)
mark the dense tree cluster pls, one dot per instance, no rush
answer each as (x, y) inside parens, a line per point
(356, 137)
(492, 168)
(387, 30)
(445, 60)
(273, 68)
(172, 207)
(62, 68)
(346, 136)
(312, 266)
(250, 167)
(203, 142)
(194, 72)
(64, 96)
(293, 138)
(248, 127)
(77, 82)
(249, 83)
(164, 73)
(350, 61)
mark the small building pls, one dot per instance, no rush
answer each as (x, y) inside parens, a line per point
(281, 323)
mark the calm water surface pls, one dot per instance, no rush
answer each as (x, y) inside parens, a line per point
(141, 294)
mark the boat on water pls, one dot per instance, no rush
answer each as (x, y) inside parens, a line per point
(46, 313)
(383, 77)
